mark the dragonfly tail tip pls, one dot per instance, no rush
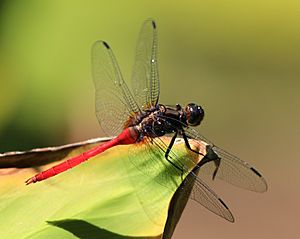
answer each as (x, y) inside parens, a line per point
(30, 180)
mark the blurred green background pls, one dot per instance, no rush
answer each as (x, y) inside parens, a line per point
(238, 59)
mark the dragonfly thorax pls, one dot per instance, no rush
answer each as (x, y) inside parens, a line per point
(163, 120)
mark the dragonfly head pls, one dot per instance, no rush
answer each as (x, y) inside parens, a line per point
(194, 114)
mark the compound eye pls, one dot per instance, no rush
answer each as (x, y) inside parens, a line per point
(194, 114)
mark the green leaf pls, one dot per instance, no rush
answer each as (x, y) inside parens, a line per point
(106, 197)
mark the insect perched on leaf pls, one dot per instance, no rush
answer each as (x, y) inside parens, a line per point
(138, 118)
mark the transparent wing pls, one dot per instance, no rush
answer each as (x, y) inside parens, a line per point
(145, 80)
(152, 159)
(150, 162)
(231, 169)
(202, 194)
(114, 102)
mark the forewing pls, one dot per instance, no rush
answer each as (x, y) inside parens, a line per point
(231, 169)
(145, 80)
(114, 102)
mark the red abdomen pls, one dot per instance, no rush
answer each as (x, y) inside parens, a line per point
(128, 136)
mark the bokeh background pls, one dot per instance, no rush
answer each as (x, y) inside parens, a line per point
(238, 59)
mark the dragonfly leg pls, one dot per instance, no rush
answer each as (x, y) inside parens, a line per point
(211, 156)
(187, 144)
(217, 164)
(168, 152)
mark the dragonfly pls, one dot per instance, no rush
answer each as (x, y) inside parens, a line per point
(137, 117)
